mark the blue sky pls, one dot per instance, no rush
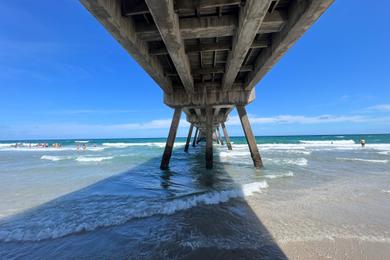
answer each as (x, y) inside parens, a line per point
(63, 76)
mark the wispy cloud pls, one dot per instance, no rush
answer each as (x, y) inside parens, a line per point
(380, 107)
(92, 111)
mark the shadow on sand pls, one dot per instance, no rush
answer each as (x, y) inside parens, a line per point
(182, 213)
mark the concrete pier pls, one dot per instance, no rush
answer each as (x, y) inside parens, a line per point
(209, 137)
(207, 56)
(227, 139)
(188, 138)
(171, 139)
(250, 138)
(195, 137)
(219, 136)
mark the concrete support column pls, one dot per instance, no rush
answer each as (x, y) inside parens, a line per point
(219, 136)
(188, 138)
(195, 137)
(209, 137)
(171, 139)
(249, 136)
(216, 136)
(227, 139)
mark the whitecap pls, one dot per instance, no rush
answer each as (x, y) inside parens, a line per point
(281, 175)
(386, 191)
(298, 161)
(81, 142)
(327, 142)
(363, 160)
(55, 158)
(93, 159)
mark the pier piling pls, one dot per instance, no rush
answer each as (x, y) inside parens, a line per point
(249, 136)
(188, 138)
(171, 139)
(209, 137)
(227, 139)
(195, 137)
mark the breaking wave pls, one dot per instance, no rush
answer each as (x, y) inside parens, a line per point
(363, 160)
(298, 161)
(55, 158)
(103, 211)
(282, 175)
(93, 159)
(328, 142)
(124, 145)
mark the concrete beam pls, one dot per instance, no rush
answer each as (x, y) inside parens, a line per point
(135, 7)
(216, 46)
(217, 70)
(171, 139)
(209, 96)
(302, 14)
(210, 26)
(167, 22)
(200, 4)
(250, 19)
(108, 13)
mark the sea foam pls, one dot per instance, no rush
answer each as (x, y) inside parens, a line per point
(281, 175)
(55, 158)
(93, 159)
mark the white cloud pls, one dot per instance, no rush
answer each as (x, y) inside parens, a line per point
(299, 119)
(381, 107)
(154, 124)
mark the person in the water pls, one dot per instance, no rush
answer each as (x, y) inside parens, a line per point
(362, 142)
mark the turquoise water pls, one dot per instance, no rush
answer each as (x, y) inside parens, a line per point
(113, 199)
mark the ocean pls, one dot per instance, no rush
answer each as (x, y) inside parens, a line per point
(324, 194)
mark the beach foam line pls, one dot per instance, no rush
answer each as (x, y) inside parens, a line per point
(93, 159)
(386, 191)
(81, 141)
(362, 160)
(327, 142)
(55, 158)
(384, 152)
(103, 211)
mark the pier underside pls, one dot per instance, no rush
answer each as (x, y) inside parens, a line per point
(207, 56)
